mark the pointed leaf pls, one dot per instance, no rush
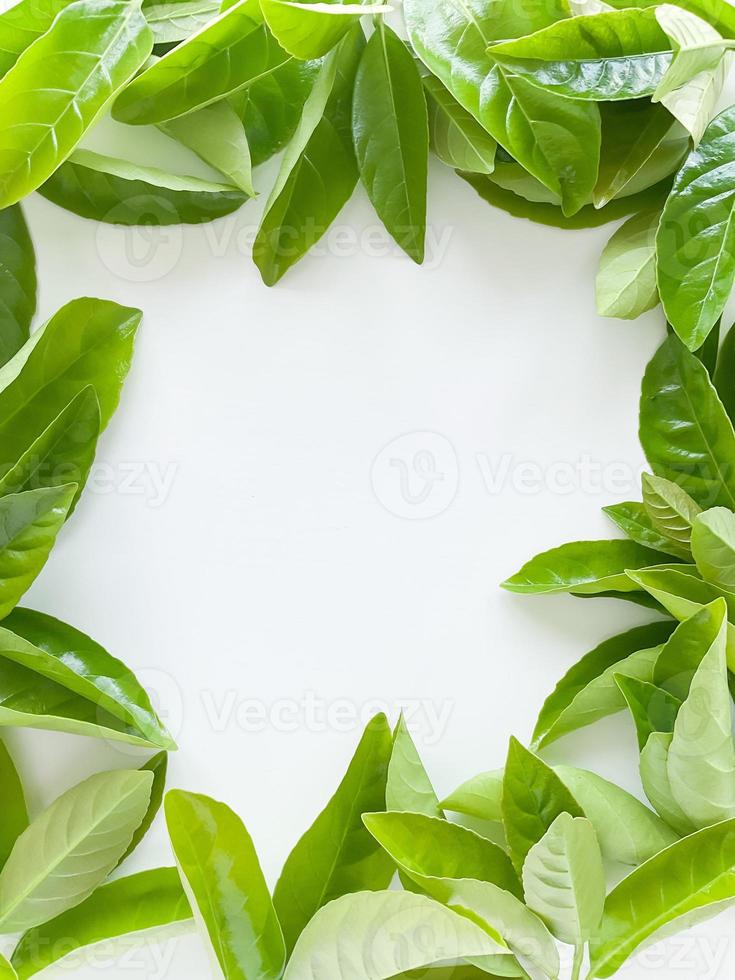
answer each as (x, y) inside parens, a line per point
(626, 278)
(15, 814)
(656, 784)
(632, 518)
(652, 708)
(632, 133)
(17, 280)
(697, 47)
(672, 511)
(682, 654)
(408, 786)
(713, 547)
(694, 104)
(158, 765)
(456, 136)
(479, 797)
(311, 30)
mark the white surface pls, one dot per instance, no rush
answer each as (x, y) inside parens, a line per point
(282, 562)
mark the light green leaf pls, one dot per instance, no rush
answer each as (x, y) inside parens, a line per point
(71, 660)
(694, 104)
(582, 567)
(222, 878)
(692, 876)
(656, 784)
(23, 24)
(633, 133)
(456, 136)
(318, 171)
(653, 709)
(672, 511)
(376, 935)
(713, 547)
(101, 44)
(120, 192)
(87, 342)
(158, 765)
(632, 518)
(408, 786)
(698, 47)
(622, 54)
(6, 970)
(311, 30)
(233, 50)
(391, 133)
(695, 271)
(684, 429)
(682, 654)
(15, 814)
(71, 848)
(564, 881)
(173, 22)
(217, 135)
(626, 278)
(150, 900)
(17, 280)
(479, 797)
(337, 854)
(533, 797)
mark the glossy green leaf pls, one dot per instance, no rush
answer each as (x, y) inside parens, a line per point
(456, 136)
(67, 657)
(217, 135)
(672, 512)
(158, 765)
(698, 47)
(582, 566)
(337, 854)
(719, 13)
(632, 518)
(233, 50)
(467, 873)
(684, 429)
(555, 139)
(682, 654)
(15, 814)
(632, 134)
(99, 45)
(622, 54)
(653, 709)
(123, 193)
(391, 133)
(29, 523)
(694, 104)
(564, 881)
(408, 787)
(17, 281)
(695, 243)
(312, 29)
(626, 279)
(23, 24)
(175, 21)
(318, 170)
(71, 848)
(87, 342)
(139, 903)
(533, 797)
(656, 784)
(724, 372)
(6, 970)
(377, 935)
(63, 452)
(713, 547)
(221, 875)
(693, 876)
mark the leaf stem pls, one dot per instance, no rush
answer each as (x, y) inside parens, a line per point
(577, 963)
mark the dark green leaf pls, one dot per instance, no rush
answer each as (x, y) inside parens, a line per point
(15, 814)
(17, 282)
(683, 651)
(158, 765)
(652, 708)
(632, 133)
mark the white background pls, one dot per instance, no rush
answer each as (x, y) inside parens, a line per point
(282, 561)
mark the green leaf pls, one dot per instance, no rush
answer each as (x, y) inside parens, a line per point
(17, 281)
(71, 848)
(101, 44)
(233, 50)
(63, 452)
(682, 654)
(582, 566)
(556, 140)
(692, 876)
(684, 429)
(632, 518)
(694, 104)
(408, 786)
(23, 24)
(467, 873)
(533, 797)
(15, 814)
(221, 875)
(672, 512)
(653, 709)
(29, 523)
(713, 547)
(123, 193)
(337, 854)
(725, 371)
(698, 47)
(701, 758)
(311, 30)
(478, 797)
(391, 133)
(632, 134)
(173, 22)
(564, 881)
(71, 660)
(217, 135)
(318, 170)
(456, 136)
(376, 935)
(622, 54)
(139, 903)
(158, 765)
(655, 780)
(6, 970)
(696, 271)
(626, 278)
(87, 342)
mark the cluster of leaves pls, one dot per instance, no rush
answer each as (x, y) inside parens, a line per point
(566, 111)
